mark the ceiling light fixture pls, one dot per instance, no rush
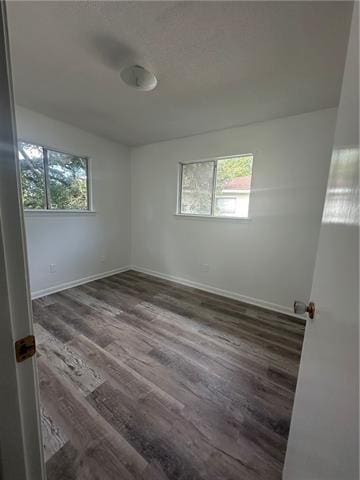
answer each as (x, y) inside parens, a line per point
(138, 77)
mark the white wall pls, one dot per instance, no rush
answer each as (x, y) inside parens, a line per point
(81, 245)
(270, 258)
(324, 434)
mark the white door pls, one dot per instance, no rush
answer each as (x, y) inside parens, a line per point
(20, 445)
(324, 434)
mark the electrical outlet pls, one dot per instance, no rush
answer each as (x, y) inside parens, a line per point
(52, 267)
(204, 267)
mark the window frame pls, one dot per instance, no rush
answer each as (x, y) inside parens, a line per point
(213, 194)
(48, 209)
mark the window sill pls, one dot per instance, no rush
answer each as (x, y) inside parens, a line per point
(210, 217)
(45, 213)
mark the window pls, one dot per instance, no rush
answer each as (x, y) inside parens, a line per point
(53, 180)
(226, 205)
(197, 186)
(217, 188)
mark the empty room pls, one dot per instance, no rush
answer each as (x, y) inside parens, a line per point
(179, 240)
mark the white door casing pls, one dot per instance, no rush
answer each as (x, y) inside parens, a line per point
(21, 456)
(324, 434)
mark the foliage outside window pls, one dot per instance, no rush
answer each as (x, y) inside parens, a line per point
(52, 180)
(218, 188)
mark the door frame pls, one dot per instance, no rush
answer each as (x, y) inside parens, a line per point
(21, 452)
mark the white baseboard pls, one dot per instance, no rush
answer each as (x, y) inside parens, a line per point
(225, 293)
(75, 283)
(190, 283)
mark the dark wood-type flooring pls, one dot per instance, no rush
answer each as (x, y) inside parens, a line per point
(142, 378)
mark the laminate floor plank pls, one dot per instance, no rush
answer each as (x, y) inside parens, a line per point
(103, 452)
(191, 343)
(67, 362)
(244, 314)
(231, 323)
(73, 316)
(185, 328)
(146, 379)
(277, 345)
(53, 436)
(134, 385)
(209, 398)
(51, 323)
(65, 465)
(275, 331)
(132, 303)
(208, 356)
(215, 302)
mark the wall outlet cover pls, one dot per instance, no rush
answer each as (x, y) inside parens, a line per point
(204, 267)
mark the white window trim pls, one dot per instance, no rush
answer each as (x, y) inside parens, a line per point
(213, 217)
(49, 211)
(37, 212)
(178, 212)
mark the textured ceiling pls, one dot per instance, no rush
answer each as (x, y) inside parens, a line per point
(219, 64)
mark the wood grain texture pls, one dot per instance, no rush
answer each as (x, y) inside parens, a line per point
(141, 378)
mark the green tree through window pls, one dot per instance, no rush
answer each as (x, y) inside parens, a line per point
(67, 181)
(31, 159)
(234, 167)
(52, 180)
(197, 180)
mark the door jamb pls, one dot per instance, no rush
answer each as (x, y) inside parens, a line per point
(21, 445)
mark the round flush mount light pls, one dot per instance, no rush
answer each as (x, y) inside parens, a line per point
(138, 77)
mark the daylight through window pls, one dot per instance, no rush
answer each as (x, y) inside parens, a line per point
(218, 188)
(52, 180)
